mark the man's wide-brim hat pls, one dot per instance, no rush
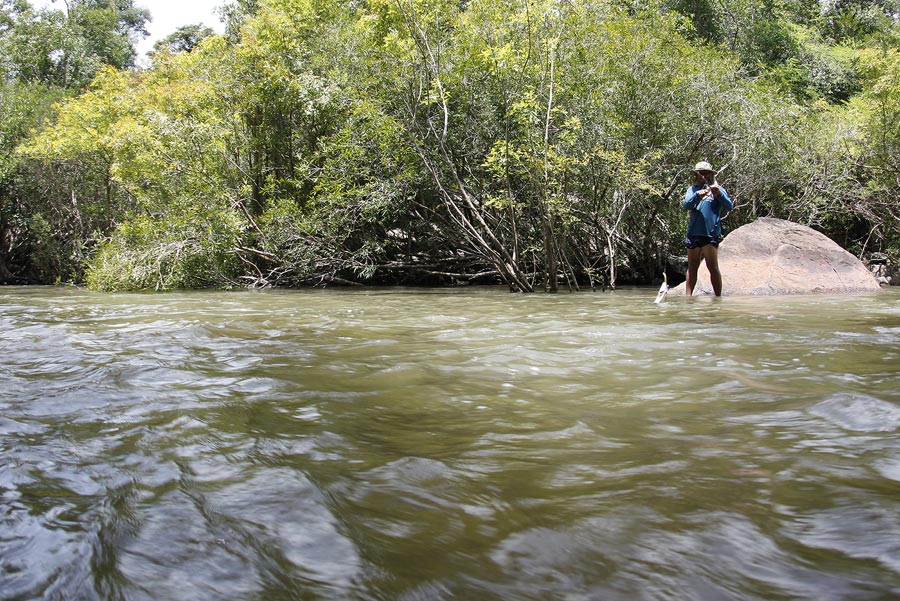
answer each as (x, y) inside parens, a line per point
(703, 166)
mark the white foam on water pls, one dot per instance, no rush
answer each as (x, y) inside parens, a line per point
(859, 412)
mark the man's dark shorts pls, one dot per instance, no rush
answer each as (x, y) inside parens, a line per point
(700, 241)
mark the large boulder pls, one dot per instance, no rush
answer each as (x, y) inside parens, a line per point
(774, 256)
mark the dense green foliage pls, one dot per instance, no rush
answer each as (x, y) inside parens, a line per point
(439, 141)
(52, 211)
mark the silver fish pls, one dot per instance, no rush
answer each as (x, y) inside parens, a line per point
(661, 295)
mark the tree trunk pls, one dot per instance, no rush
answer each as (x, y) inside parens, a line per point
(551, 283)
(461, 204)
(611, 249)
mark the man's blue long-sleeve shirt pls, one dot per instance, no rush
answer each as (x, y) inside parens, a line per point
(706, 213)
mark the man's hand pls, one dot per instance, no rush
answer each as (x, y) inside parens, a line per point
(714, 188)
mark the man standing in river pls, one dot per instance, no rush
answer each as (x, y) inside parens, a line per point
(707, 201)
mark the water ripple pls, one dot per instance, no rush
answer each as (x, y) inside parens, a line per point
(468, 444)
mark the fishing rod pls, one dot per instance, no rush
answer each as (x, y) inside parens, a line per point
(716, 174)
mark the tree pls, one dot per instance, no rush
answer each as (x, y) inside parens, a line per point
(183, 39)
(25, 249)
(68, 47)
(853, 21)
(538, 144)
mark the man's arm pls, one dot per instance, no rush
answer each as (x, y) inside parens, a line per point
(692, 198)
(721, 194)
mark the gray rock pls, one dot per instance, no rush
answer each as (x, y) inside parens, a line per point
(774, 256)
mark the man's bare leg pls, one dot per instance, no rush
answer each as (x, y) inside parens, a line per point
(695, 255)
(711, 254)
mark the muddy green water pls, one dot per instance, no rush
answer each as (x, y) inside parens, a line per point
(446, 444)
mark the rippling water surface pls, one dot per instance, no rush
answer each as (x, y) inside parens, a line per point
(443, 444)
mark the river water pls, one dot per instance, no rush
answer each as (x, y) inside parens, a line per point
(448, 444)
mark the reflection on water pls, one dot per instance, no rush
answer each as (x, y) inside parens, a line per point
(416, 445)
